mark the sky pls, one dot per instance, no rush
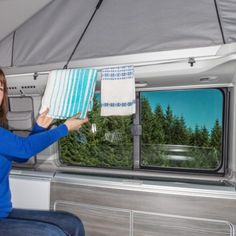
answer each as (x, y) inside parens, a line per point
(198, 107)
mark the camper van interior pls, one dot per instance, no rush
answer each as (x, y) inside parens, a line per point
(169, 169)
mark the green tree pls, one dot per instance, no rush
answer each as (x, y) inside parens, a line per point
(196, 136)
(216, 136)
(179, 132)
(158, 134)
(147, 118)
(168, 125)
(160, 114)
(204, 137)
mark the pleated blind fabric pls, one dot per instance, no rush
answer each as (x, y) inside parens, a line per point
(69, 92)
(118, 91)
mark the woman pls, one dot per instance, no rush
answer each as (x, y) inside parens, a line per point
(16, 222)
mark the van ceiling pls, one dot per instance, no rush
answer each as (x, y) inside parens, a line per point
(15, 12)
(118, 28)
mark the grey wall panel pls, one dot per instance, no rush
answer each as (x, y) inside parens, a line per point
(164, 225)
(175, 204)
(99, 221)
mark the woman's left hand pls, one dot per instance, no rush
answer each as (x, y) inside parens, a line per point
(44, 120)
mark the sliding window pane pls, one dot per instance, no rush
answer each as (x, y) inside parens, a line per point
(104, 142)
(182, 129)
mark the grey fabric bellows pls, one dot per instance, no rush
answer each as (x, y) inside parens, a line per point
(121, 27)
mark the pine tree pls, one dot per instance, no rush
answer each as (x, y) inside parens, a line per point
(196, 136)
(184, 130)
(204, 136)
(158, 126)
(179, 132)
(216, 136)
(147, 121)
(191, 136)
(168, 125)
(160, 114)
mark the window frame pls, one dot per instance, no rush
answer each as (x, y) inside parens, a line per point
(142, 171)
(221, 170)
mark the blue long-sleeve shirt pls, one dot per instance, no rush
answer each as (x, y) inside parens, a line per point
(13, 147)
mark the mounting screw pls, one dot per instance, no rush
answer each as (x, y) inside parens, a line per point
(35, 75)
(191, 61)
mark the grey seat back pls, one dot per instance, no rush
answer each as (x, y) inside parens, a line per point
(20, 120)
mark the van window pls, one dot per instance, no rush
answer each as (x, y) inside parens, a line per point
(182, 129)
(104, 142)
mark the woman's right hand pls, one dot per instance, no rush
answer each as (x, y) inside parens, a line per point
(74, 123)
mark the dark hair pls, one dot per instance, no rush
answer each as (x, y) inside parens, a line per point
(4, 105)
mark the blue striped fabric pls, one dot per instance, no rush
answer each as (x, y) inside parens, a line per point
(69, 92)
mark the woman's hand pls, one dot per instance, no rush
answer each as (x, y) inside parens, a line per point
(44, 120)
(74, 123)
